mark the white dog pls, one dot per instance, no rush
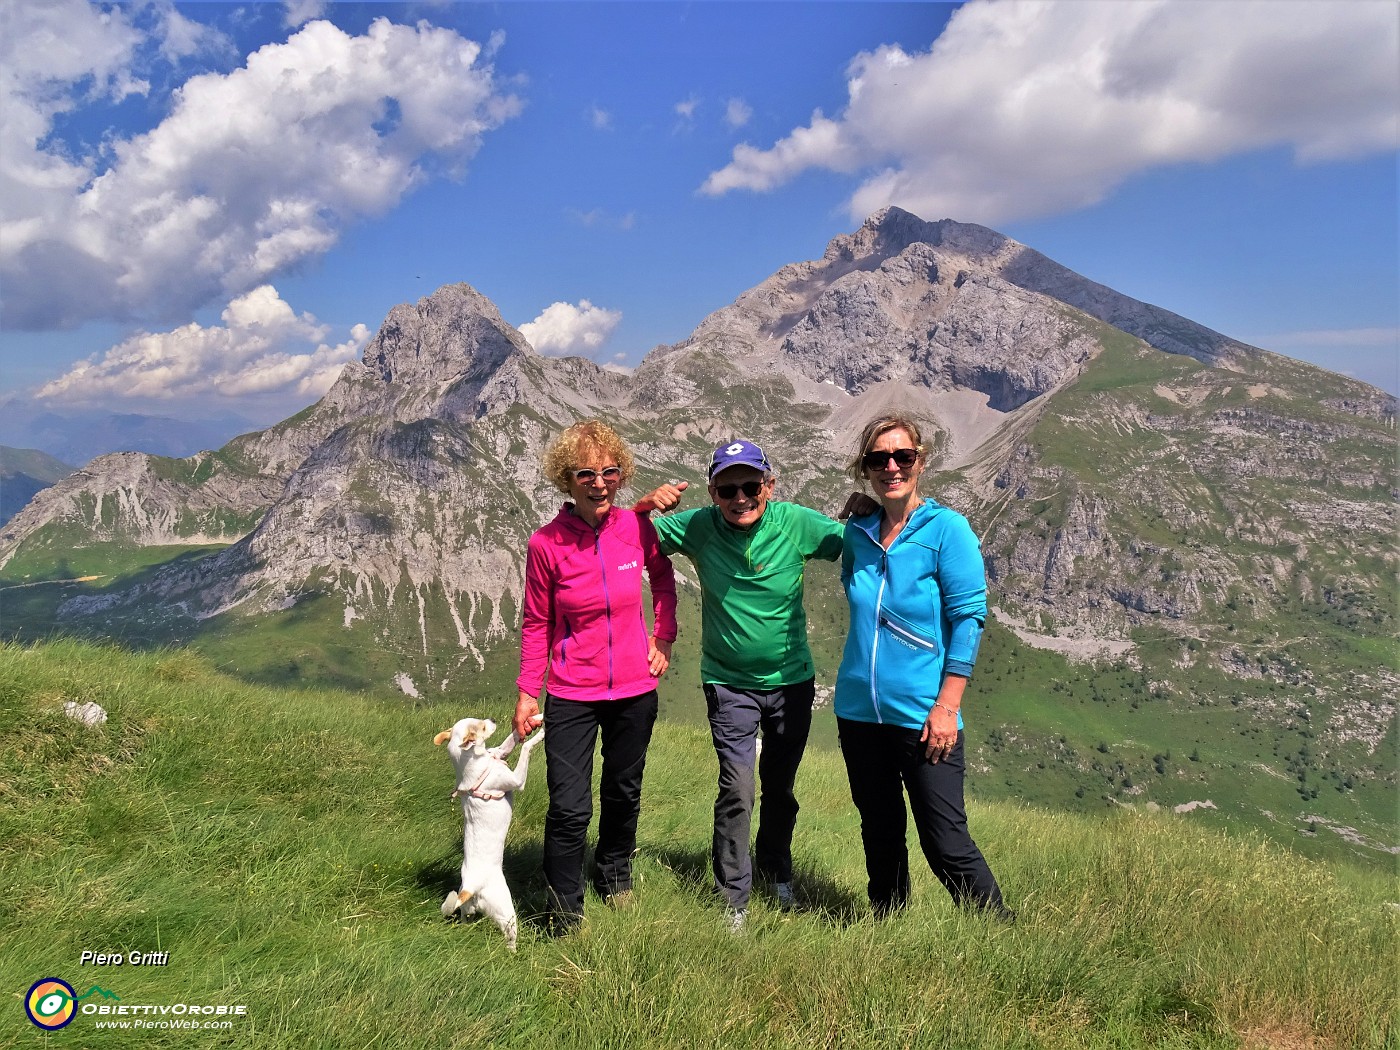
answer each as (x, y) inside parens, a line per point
(486, 786)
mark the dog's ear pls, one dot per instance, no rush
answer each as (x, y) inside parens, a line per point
(442, 737)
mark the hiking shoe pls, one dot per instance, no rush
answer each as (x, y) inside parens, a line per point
(562, 924)
(622, 900)
(787, 900)
(734, 919)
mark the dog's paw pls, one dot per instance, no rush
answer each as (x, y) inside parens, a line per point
(449, 905)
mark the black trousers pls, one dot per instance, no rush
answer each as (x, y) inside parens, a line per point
(882, 763)
(736, 715)
(572, 728)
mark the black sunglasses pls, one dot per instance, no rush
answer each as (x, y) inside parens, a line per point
(904, 457)
(750, 488)
(586, 474)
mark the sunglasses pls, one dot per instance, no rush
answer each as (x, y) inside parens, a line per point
(750, 489)
(904, 457)
(586, 474)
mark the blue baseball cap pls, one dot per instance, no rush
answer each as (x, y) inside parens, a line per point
(738, 453)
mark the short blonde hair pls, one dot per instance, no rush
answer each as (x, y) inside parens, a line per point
(566, 453)
(873, 430)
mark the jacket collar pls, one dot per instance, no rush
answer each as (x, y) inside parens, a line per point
(574, 523)
(925, 512)
(734, 530)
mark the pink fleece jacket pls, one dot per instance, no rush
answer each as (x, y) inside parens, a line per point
(583, 606)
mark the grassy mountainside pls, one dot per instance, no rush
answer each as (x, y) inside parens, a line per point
(1231, 533)
(1077, 737)
(23, 472)
(289, 850)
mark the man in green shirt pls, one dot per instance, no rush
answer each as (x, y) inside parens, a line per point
(755, 666)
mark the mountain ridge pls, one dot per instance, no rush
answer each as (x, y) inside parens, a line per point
(1210, 525)
(892, 316)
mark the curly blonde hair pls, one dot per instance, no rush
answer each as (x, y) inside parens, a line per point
(876, 427)
(580, 443)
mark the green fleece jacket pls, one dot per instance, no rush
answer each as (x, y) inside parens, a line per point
(754, 627)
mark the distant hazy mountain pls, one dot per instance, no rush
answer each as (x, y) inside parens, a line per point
(76, 437)
(1214, 520)
(23, 472)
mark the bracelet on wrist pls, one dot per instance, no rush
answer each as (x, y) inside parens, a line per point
(950, 710)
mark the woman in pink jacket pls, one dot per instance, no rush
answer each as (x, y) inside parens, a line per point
(585, 633)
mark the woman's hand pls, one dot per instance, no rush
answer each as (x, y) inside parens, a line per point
(659, 656)
(940, 733)
(527, 716)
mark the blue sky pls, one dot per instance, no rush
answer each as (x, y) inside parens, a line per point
(208, 208)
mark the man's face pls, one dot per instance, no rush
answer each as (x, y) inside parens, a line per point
(741, 493)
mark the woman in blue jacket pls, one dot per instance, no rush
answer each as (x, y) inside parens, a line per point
(918, 594)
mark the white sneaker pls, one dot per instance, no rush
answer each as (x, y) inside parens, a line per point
(734, 918)
(787, 900)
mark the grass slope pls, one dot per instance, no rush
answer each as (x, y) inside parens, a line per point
(23, 472)
(1041, 729)
(289, 849)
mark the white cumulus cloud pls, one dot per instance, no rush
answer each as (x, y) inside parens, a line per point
(1032, 107)
(564, 328)
(737, 113)
(299, 12)
(263, 347)
(250, 173)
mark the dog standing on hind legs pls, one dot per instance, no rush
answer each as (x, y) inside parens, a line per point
(486, 786)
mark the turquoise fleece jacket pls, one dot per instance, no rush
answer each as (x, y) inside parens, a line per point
(917, 612)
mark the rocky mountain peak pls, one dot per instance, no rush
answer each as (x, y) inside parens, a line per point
(892, 230)
(454, 333)
(439, 357)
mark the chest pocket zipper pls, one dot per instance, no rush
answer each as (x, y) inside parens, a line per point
(907, 635)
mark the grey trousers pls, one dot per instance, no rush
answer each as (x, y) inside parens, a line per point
(736, 716)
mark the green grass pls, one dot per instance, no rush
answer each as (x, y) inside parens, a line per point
(1035, 720)
(34, 586)
(289, 849)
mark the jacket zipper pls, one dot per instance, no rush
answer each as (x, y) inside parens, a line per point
(607, 603)
(875, 644)
(908, 636)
